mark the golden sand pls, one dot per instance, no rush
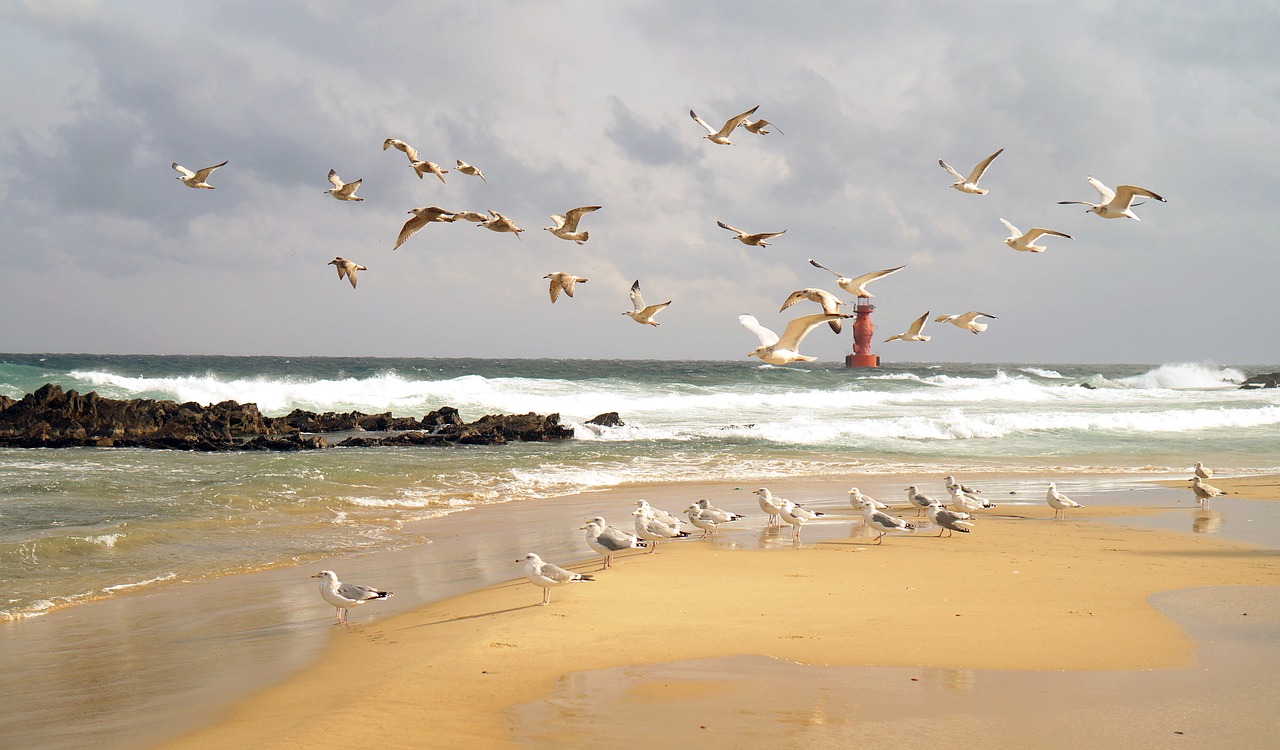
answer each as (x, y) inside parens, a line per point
(1021, 593)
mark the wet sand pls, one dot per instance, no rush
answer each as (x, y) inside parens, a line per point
(685, 645)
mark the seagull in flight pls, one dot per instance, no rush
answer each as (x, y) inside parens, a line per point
(566, 227)
(856, 286)
(830, 305)
(970, 184)
(1025, 241)
(785, 349)
(750, 239)
(198, 178)
(348, 269)
(422, 217)
(343, 191)
(758, 127)
(967, 321)
(913, 331)
(642, 313)
(499, 223)
(721, 136)
(422, 166)
(467, 169)
(1115, 204)
(408, 150)
(472, 216)
(562, 282)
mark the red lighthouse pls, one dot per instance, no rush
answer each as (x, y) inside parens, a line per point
(863, 330)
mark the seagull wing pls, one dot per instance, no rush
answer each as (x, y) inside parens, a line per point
(350, 187)
(558, 220)
(1012, 229)
(182, 170)
(409, 151)
(574, 215)
(976, 174)
(971, 316)
(358, 593)
(796, 296)
(410, 228)
(555, 573)
(816, 264)
(799, 327)
(637, 301)
(335, 180)
(700, 121)
(917, 326)
(653, 310)
(867, 278)
(557, 284)
(959, 177)
(723, 225)
(1036, 232)
(1107, 193)
(1126, 193)
(203, 174)
(767, 337)
(754, 238)
(733, 122)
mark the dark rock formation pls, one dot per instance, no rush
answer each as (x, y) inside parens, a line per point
(608, 419)
(1265, 380)
(53, 418)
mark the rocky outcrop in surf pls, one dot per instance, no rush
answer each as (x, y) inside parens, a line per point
(1264, 380)
(53, 418)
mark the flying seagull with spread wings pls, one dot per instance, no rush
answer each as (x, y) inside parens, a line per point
(640, 312)
(721, 136)
(785, 349)
(757, 239)
(196, 179)
(856, 286)
(1025, 241)
(566, 227)
(1115, 204)
(970, 184)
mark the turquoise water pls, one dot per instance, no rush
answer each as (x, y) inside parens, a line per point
(81, 524)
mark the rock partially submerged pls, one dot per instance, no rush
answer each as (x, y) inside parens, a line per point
(1265, 380)
(54, 418)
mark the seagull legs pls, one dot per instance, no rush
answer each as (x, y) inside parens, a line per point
(546, 597)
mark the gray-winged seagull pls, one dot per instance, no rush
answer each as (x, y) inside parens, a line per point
(196, 179)
(344, 596)
(346, 269)
(721, 136)
(546, 575)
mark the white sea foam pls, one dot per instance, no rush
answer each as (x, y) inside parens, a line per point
(138, 584)
(1038, 372)
(1182, 376)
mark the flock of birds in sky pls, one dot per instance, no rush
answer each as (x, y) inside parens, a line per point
(651, 526)
(774, 349)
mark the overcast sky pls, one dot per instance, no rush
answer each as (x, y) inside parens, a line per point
(580, 103)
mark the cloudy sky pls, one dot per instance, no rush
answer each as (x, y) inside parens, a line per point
(579, 103)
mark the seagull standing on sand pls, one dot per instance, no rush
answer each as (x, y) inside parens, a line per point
(499, 223)
(970, 184)
(467, 169)
(640, 312)
(721, 136)
(964, 502)
(757, 240)
(702, 520)
(1204, 491)
(950, 481)
(422, 217)
(785, 349)
(857, 286)
(421, 167)
(719, 515)
(1202, 471)
(796, 516)
(546, 575)
(856, 499)
(566, 227)
(830, 305)
(343, 191)
(882, 522)
(770, 505)
(913, 331)
(346, 269)
(654, 530)
(919, 499)
(562, 282)
(662, 515)
(608, 541)
(344, 596)
(758, 127)
(1115, 204)
(1025, 241)
(196, 179)
(408, 150)
(1059, 502)
(949, 521)
(967, 321)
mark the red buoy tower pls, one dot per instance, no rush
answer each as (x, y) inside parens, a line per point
(863, 330)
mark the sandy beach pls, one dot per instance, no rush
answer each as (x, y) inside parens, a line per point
(1076, 602)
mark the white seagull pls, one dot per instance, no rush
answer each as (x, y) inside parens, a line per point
(1115, 204)
(343, 191)
(344, 596)
(856, 286)
(1204, 491)
(467, 169)
(408, 150)
(196, 179)
(882, 522)
(472, 216)
(951, 481)
(913, 331)
(653, 529)
(346, 269)
(719, 515)
(702, 520)
(566, 227)
(546, 575)
(609, 540)
(949, 521)
(830, 305)
(965, 502)
(785, 349)
(796, 516)
(1025, 241)
(967, 321)
(1202, 471)
(770, 505)
(1059, 502)
(421, 217)
(758, 127)
(970, 184)
(499, 223)
(640, 312)
(562, 282)
(721, 136)
(421, 167)
(757, 239)
(856, 498)
(919, 499)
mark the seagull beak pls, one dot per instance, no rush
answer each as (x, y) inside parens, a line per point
(317, 575)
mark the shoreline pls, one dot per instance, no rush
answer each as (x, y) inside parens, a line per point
(469, 661)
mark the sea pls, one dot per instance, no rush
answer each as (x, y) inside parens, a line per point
(83, 524)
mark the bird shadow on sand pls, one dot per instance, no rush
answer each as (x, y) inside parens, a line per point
(476, 616)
